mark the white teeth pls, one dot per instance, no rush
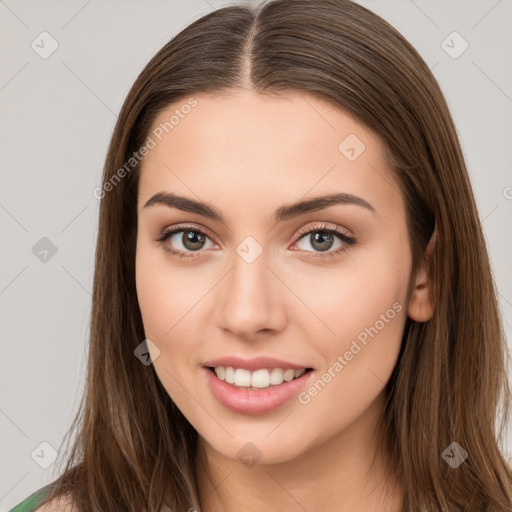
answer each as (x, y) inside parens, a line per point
(288, 375)
(260, 379)
(257, 379)
(220, 371)
(276, 376)
(242, 377)
(230, 374)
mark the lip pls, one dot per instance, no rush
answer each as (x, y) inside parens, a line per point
(256, 363)
(254, 401)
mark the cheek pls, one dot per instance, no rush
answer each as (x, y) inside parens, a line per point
(169, 303)
(163, 311)
(150, 290)
(352, 296)
(359, 358)
(165, 293)
(161, 307)
(362, 309)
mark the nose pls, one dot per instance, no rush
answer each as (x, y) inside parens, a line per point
(251, 299)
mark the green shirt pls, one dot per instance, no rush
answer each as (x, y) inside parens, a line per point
(33, 501)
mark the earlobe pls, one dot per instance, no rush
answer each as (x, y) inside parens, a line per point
(421, 308)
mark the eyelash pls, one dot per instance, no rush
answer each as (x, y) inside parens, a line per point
(348, 240)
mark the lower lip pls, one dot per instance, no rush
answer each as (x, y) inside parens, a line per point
(254, 401)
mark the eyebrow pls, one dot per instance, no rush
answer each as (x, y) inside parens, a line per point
(282, 213)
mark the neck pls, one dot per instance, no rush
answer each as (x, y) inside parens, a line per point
(342, 473)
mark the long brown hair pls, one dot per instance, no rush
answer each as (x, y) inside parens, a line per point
(134, 450)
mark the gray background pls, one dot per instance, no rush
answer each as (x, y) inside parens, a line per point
(57, 118)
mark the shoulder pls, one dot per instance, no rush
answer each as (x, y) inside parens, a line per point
(35, 502)
(31, 503)
(60, 504)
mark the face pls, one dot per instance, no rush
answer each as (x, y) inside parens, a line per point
(321, 287)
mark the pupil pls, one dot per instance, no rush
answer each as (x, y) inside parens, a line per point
(324, 239)
(193, 240)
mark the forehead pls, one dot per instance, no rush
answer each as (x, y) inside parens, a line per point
(270, 149)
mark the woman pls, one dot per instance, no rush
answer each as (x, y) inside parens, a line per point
(293, 306)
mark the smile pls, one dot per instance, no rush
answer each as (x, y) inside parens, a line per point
(258, 379)
(252, 400)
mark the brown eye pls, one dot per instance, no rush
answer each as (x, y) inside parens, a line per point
(183, 241)
(323, 238)
(192, 240)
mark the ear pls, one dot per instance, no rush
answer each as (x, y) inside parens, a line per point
(421, 308)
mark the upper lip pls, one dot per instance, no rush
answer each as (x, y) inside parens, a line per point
(253, 364)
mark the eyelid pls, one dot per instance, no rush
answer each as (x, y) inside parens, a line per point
(183, 227)
(167, 233)
(346, 238)
(323, 226)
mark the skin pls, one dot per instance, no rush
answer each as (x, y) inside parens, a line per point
(246, 155)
